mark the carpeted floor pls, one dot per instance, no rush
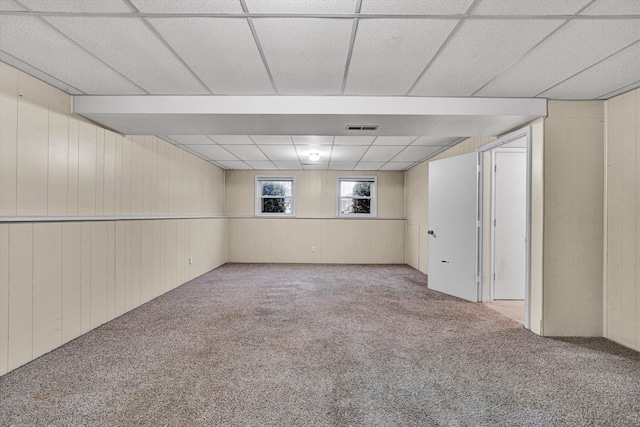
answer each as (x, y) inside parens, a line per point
(513, 309)
(295, 345)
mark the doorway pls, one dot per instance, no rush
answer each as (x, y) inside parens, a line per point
(504, 212)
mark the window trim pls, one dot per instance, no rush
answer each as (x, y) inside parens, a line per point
(258, 195)
(374, 196)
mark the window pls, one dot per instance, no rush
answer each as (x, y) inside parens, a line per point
(357, 196)
(275, 196)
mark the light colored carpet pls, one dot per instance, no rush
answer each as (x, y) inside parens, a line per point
(321, 345)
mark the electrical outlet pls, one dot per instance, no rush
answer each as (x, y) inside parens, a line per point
(313, 248)
(190, 260)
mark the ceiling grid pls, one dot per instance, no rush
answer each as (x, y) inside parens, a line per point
(402, 49)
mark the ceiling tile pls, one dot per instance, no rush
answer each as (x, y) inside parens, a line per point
(34, 42)
(342, 166)
(191, 139)
(140, 55)
(38, 74)
(316, 166)
(212, 152)
(401, 48)
(353, 140)
(245, 152)
(615, 73)
(226, 59)
(10, 6)
(78, 6)
(312, 140)
(396, 166)
(403, 7)
(259, 164)
(434, 140)
(613, 7)
(272, 139)
(347, 153)
(560, 56)
(287, 165)
(381, 153)
(473, 48)
(231, 164)
(188, 6)
(306, 56)
(368, 166)
(416, 153)
(280, 152)
(301, 6)
(394, 140)
(232, 139)
(528, 7)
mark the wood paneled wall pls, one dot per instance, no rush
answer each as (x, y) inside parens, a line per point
(61, 279)
(573, 218)
(622, 261)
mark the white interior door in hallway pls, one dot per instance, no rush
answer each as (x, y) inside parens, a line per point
(452, 256)
(509, 223)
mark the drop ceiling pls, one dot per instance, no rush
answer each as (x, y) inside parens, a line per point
(283, 49)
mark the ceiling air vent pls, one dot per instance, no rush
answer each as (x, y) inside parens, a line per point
(362, 127)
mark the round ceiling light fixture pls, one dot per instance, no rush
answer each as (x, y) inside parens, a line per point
(314, 157)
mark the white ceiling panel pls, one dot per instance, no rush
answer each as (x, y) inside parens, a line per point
(78, 6)
(368, 166)
(401, 48)
(10, 6)
(232, 139)
(528, 7)
(280, 152)
(272, 139)
(212, 152)
(394, 140)
(606, 77)
(561, 56)
(396, 166)
(260, 164)
(304, 151)
(234, 164)
(381, 153)
(288, 165)
(473, 48)
(403, 7)
(301, 6)
(227, 60)
(312, 140)
(140, 55)
(316, 166)
(347, 153)
(613, 7)
(245, 152)
(342, 166)
(306, 56)
(188, 6)
(38, 74)
(36, 43)
(433, 140)
(353, 140)
(191, 139)
(416, 153)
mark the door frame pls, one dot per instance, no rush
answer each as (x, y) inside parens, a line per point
(526, 133)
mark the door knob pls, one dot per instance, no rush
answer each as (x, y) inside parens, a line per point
(430, 232)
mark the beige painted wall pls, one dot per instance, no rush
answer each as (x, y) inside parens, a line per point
(58, 279)
(622, 231)
(335, 240)
(573, 218)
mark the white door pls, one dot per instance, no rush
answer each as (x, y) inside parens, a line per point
(509, 224)
(452, 223)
